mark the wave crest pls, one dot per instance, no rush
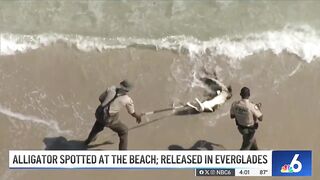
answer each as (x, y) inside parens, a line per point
(302, 41)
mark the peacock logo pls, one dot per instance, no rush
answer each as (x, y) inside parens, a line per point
(294, 167)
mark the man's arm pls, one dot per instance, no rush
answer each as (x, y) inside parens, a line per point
(232, 114)
(137, 116)
(108, 93)
(131, 111)
(103, 96)
(257, 112)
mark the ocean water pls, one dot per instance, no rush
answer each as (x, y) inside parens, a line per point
(57, 56)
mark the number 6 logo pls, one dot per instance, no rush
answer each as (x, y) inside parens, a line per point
(297, 163)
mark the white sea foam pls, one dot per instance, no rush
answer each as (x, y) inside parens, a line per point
(302, 41)
(32, 119)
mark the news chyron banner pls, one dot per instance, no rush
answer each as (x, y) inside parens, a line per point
(205, 163)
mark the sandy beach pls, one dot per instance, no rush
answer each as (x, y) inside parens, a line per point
(55, 90)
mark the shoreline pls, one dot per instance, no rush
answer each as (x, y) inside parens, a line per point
(66, 83)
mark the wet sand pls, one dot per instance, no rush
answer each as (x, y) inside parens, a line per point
(61, 85)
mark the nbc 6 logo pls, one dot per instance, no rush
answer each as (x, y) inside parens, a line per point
(295, 164)
(292, 163)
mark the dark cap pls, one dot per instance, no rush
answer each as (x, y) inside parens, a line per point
(125, 85)
(245, 92)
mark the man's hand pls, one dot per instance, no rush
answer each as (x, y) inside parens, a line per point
(259, 105)
(137, 116)
(138, 119)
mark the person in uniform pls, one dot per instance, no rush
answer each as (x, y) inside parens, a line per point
(107, 113)
(246, 115)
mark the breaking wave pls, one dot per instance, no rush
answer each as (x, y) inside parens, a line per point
(302, 41)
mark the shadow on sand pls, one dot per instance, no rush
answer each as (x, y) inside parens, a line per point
(186, 111)
(61, 143)
(199, 145)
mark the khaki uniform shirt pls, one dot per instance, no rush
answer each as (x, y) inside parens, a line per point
(117, 104)
(245, 112)
(121, 101)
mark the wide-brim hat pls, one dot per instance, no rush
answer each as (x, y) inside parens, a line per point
(125, 85)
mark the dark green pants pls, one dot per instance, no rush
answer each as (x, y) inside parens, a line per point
(248, 138)
(118, 127)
